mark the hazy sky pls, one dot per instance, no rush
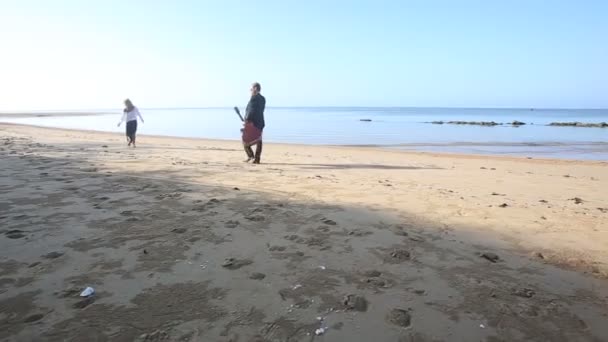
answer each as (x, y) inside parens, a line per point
(92, 54)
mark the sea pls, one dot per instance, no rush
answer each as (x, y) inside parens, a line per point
(391, 128)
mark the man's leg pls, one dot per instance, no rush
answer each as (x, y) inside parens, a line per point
(249, 152)
(258, 152)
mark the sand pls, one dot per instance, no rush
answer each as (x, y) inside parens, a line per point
(182, 241)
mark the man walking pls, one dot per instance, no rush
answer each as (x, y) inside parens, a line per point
(254, 124)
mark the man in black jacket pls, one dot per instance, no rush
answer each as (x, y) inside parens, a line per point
(254, 124)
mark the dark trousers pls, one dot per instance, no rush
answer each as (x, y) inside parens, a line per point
(258, 152)
(131, 130)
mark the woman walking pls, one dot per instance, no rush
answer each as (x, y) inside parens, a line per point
(130, 114)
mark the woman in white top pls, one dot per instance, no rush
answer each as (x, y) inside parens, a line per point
(130, 114)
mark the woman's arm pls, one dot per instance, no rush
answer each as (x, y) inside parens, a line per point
(139, 114)
(124, 116)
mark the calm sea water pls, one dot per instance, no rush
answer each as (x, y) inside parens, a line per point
(403, 128)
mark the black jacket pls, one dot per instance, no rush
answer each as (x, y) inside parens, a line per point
(255, 111)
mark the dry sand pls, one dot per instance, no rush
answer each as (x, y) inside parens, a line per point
(184, 242)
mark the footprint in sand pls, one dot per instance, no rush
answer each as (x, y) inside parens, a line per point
(235, 264)
(256, 218)
(257, 276)
(212, 203)
(355, 303)
(84, 303)
(372, 273)
(359, 233)
(14, 234)
(372, 278)
(400, 255)
(399, 317)
(328, 222)
(33, 318)
(492, 257)
(172, 195)
(53, 255)
(232, 224)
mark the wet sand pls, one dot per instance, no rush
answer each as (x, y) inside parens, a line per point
(182, 241)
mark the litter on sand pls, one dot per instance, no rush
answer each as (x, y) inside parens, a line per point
(88, 292)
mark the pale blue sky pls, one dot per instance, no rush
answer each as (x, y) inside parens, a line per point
(91, 54)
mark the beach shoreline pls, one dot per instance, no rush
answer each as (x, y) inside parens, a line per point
(398, 148)
(182, 239)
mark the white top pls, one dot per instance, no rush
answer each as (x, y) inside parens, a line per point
(131, 116)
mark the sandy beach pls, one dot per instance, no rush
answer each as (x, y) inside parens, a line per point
(182, 241)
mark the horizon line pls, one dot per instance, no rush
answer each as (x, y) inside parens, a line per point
(292, 107)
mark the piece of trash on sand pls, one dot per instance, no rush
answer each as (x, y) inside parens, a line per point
(482, 326)
(320, 331)
(88, 292)
(297, 286)
(323, 267)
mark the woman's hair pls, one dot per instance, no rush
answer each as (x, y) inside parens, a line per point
(257, 86)
(129, 105)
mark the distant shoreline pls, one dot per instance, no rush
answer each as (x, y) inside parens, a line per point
(515, 123)
(51, 114)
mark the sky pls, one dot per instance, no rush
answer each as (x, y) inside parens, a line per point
(86, 54)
